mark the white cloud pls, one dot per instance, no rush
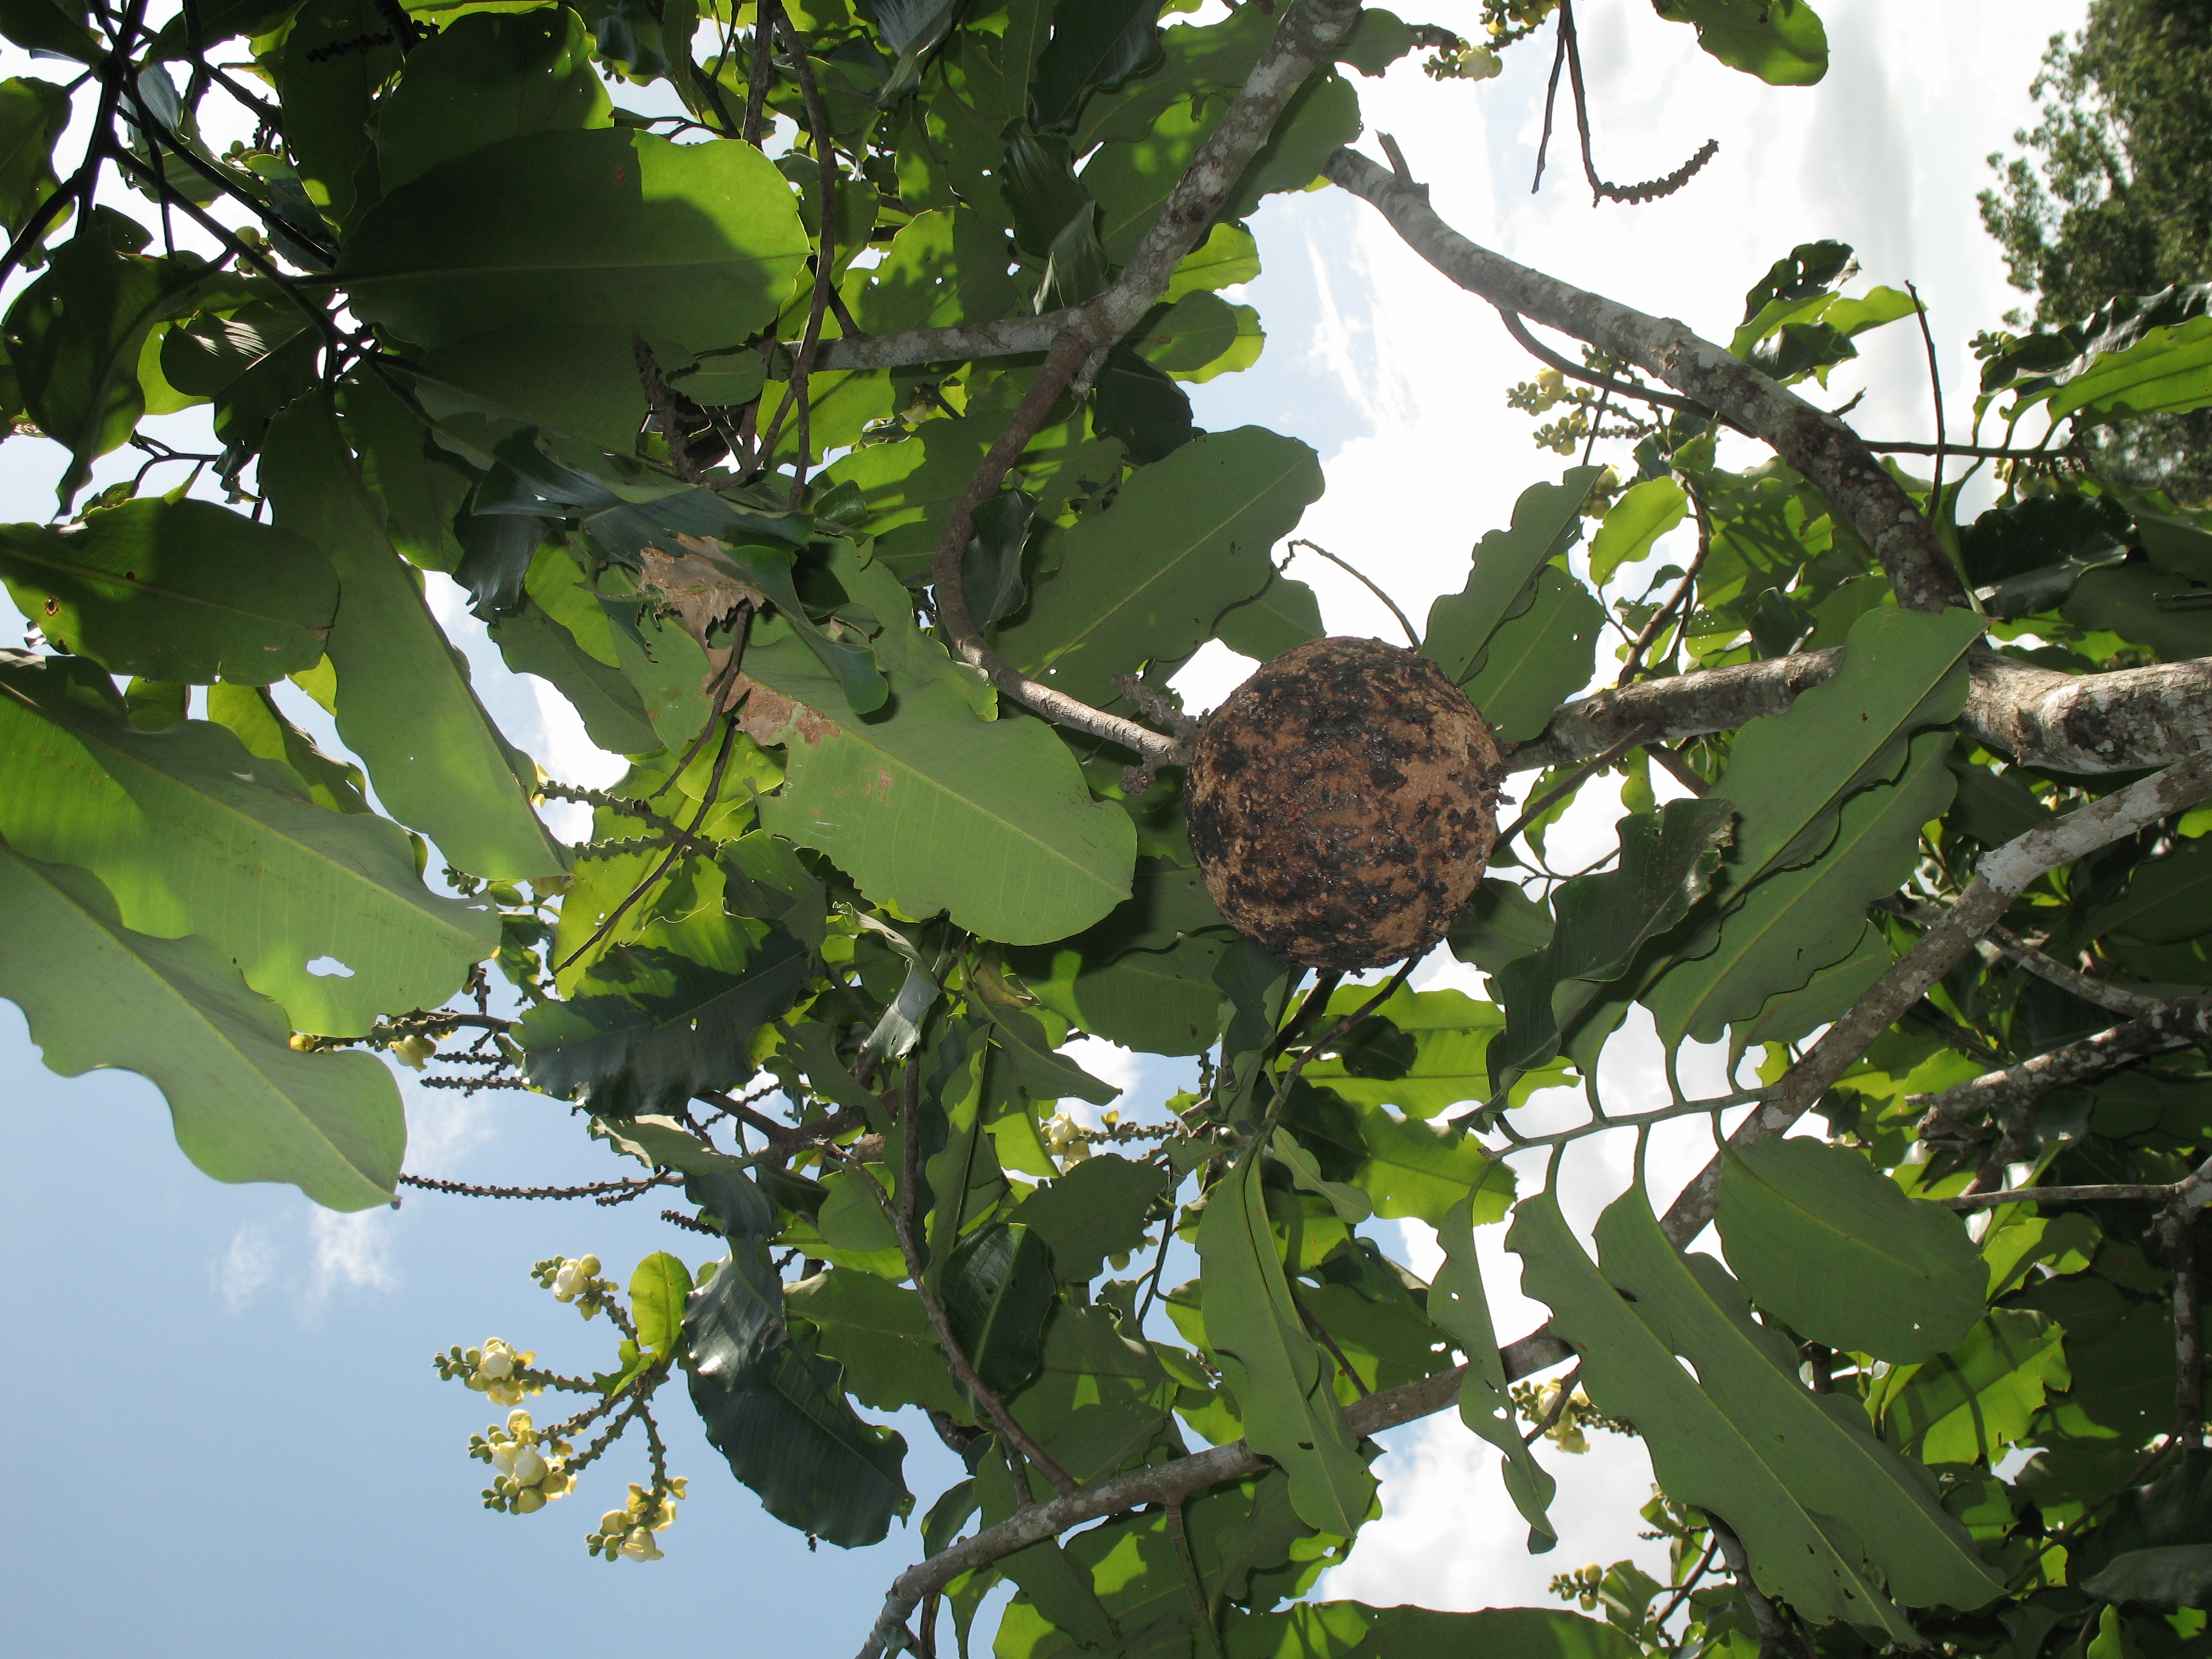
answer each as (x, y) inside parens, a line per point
(443, 1124)
(1108, 1062)
(352, 1253)
(247, 1266)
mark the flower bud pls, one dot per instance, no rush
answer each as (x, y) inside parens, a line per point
(529, 1468)
(529, 1501)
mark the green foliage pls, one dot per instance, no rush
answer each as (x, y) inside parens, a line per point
(487, 323)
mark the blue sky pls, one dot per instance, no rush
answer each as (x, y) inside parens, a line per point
(227, 1434)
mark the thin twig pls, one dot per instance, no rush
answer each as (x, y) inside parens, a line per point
(600, 1189)
(1634, 195)
(1517, 326)
(1684, 591)
(1935, 391)
(825, 257)
(1413, 635)
(1572, 782)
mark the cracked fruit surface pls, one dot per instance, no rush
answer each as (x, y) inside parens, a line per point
(1343, 803)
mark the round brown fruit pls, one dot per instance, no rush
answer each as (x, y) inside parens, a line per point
(1343, 803)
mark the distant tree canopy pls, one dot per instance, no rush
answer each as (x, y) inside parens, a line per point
(2115, 196)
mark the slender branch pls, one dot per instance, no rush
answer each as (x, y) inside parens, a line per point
(1935, 391)
(2191, 1192)
(1776, 1640)
(2175, 1025)
(1413, 634)
(1517, 326)
(1600, 189)
(2177, 1230)
(1574, 780)
(2001, 877)
(1820, 446)
(598, 1189)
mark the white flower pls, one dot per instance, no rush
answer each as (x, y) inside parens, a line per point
(498, 1361)
(526, 1466)
(640, 1546)
(502, 1457)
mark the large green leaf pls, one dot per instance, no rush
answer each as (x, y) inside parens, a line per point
(32, 116)
(1547, 522)
(1460, 1306)
(780, 1417)
(404, 704)
(878, 1332)
(1100, 1207)
(2166, 372)
(1793, 923)
(322, 911)
(1144, 580)
(1788, 773)
(245, 1105)
(696, 244)
(1780, 41)
(997, 1287)
(1279, 1376)
(179, 591)
(682, 1029)
(1968, 1404)
(1538, 658)
(75, 334)
(1100, 1400)
(1667, 858)
(934, 808)
(332, 61)
(1352, 1629)
(1834, 1248)
(1405, 1167)
(1830, 1516)
(484, 78)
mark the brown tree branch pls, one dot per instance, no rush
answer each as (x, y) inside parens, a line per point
(2125, 722)
(2173, 1025)
(2001, 876)
(1816, 443)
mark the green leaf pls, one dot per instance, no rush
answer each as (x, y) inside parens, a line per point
(1278, 1376)
(1499, 923)
(1101, 45)
(1351, 1630)
(76, 333)
(1788, 773)
(683, 1028)
(1547, 522)
(1744, 1439)
(1538, 659)
(1287, 614)
(2124, 599)
(1229, 256)
(1100, 1400)
(261, 727)
(1793, 923)
(1406, 1167)
(251, 362)
(55, 26)
(2168, 371)
(879, 1334)
(781, 1420)
(177, 590)
(2171, 1577)
(1834, 1248)
(484, 78)
(1100, 1207)
(1780, 41)
(404, 704)
(1644, 513)
(1667, 859)
(193, 835)
(658, 1289)
(1449, 1030)
(32, 116)
(696, 243)
(1030, 1067)
(331, 63)
(245, 1105)
(933, 808)
(1140, 407)
(1155, 1002)
(1201, 335)
(1458, 1304)
(1968, 1404)
(1144, 579)
(581, 382)
(1829, 994)
(997, 1287)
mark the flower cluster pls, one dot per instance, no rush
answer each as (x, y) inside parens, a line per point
(495, 1370)
(532, 1470)
(576, 1281)
(1066, 1140)
(629, 1532)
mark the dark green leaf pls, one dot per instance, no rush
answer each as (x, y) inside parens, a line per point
(1834, 1248)
(1969, 1405)
(334, 58)
(685, 1028)
(1538, 658)
(1459, 1305)
(32, 116)
(2167, 1578)
(1349, 1630)
(997, 1287)
(991, 571)
(613, 229)
(55, 26)
(781, 1420)
(1095, 44)
(1547, 522)
(1138, 405)
(1032, 1067)
(177, 590)
(1100, 1207)
(1744, 1439)
(878, 1332)
(484, 78)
